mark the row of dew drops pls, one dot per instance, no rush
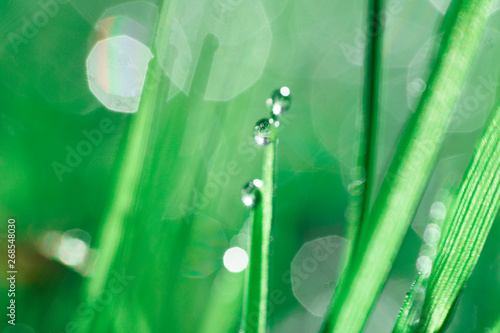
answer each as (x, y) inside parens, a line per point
(264, 133)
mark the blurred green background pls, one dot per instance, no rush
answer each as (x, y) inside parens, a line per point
(214, 64)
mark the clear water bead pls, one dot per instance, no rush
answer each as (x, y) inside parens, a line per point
(249, 192)
(263, 131)
(280, 101)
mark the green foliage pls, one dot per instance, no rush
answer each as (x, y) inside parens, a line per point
(159, 194)
(467, 229)
(408, 174)
(478, 204)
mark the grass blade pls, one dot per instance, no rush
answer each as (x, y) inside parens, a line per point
(412, 307)
(408, 174)
(409, 314)
(128, 174)
(255, 312)
(360, 201)
(478, 203)
(125, 187)
(371, 107)
(227, 302)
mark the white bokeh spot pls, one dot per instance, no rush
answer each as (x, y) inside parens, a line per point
(235, 259)
(116, 69)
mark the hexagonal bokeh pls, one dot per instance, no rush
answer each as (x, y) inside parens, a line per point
(316, 270)
(116, 69)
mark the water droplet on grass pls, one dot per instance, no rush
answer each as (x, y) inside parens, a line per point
(249, 194)
(281, 101)
(263, 131)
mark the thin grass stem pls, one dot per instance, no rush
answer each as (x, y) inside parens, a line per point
(255, 308)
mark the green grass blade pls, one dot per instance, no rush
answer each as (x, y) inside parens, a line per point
(409, 313)
(255, 316)
(224, 305)
(129, 173)
(360, 201)
(478, 203)
(125, 187)
(252, 320)
(408, 174)
(371, 106)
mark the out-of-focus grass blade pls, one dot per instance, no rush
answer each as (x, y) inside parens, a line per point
(478, 204)
(496, 327)
(125, 187)
(224, 305)
(128, 175)
(408, 174)
(365, 176)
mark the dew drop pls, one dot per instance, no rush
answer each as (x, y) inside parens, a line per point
(280, 101)
(258, 182)
(249, 192)
(263, 131)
